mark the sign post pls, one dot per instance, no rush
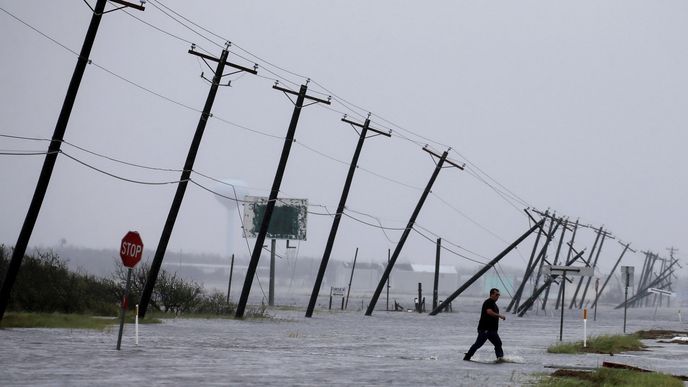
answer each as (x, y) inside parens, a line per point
(130, 251)
(627, 273)
(597, 296)
(554, 270)
(337, 292)
(585, 327)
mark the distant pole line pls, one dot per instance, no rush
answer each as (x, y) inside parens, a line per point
(594, 265)
(543, 254)
(517, 295)
(540, 258)
(53, 150)
(556, 261)
(568, 258)
(270, 206)
(186, 174)
(580, 282)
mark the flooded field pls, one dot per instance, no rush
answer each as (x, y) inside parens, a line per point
(332, 348)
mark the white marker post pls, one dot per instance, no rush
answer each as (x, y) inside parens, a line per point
(585, 328)
(136, 324)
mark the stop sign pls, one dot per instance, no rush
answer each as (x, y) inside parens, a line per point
(131, 249)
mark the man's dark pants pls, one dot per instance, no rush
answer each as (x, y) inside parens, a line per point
(483, 336)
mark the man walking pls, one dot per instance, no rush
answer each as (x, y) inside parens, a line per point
(488, 326)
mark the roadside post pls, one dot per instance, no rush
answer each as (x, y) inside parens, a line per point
(131, 250)
(555, 270)
(597, 296)
(627, 273)
(585, 328)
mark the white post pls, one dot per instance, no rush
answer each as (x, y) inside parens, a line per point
(585, 327)
(136, 324)
(679, 316)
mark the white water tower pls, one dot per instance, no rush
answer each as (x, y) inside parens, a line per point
(234, 192)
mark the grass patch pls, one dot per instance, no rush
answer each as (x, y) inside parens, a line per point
(601, 344)
(608, 377)
(62, 320)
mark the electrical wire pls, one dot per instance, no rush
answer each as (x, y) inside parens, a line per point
(505, 194)
(117, 176)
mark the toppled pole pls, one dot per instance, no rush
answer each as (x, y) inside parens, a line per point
(487, 267)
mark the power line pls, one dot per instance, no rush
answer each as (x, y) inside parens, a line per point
(341, 100)
(117, 176)
(447, 249)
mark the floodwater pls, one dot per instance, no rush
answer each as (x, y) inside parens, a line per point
(332, 348)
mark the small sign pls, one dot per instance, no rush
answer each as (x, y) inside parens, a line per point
(335, 291)
(662, 292)
(583, 271)
(627, 275)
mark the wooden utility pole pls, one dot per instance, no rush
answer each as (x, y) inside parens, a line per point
(53, 151)
(365, 127)
(274, 191)
(186, 172)
(409, 226)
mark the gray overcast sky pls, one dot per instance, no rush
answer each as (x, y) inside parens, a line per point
(576, 106)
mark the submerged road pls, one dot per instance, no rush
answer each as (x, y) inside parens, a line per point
(332, 348)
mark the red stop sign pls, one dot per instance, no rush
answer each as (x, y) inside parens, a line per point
(131, 249)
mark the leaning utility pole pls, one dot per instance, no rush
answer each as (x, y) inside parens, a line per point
(605, 234)
(487, 267)
(340, 207)
(409, 226)
(269, 208)
(556, 261)
(568, 257)
(522, 285)
(186, 172)
(53, 151)
(580, 282)
(599, 292)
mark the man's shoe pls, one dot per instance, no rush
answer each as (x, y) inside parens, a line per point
(466, 357)
(500, 360)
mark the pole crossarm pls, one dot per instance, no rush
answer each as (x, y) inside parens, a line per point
(348, 121)
(128, 4)
(446, 160)
(285, 90)
(253, 71)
